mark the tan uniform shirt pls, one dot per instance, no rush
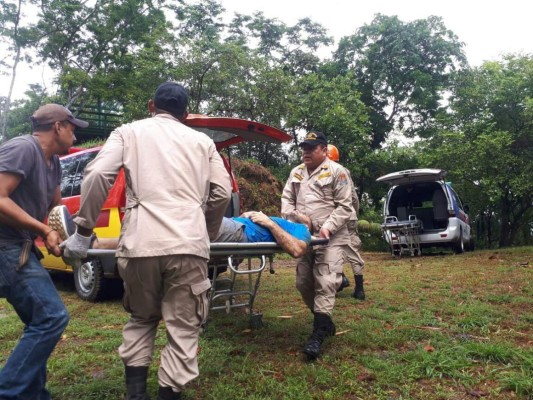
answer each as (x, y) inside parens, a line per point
(177, 188)
(325, 196)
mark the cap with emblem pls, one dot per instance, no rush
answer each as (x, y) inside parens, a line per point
(50, 113)
(171, 97)
(315, 138)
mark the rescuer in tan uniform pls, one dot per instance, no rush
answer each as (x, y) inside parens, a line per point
(320, 190)
(176, 195)
(352, 249)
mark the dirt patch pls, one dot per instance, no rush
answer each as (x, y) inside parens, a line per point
(260, 190)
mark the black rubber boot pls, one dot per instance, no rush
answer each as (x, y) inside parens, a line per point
(323, 327)
(359, 291)
(166, 393)
(345, 283)
(136, 383)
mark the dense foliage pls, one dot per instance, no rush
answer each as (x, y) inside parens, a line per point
(390, 79)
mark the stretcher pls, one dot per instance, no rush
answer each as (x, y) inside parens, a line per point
(402, 236)
(246, 263)
(238, 289)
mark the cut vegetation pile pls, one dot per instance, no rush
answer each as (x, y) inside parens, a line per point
(260, 190)
(436, 327)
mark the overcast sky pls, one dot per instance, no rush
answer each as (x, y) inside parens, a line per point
(488, 29)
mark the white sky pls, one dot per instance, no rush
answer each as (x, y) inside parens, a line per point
(489, 29)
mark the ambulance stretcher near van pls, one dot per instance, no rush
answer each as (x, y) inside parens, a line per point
(421, 210)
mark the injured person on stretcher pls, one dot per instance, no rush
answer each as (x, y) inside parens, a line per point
(251, 227)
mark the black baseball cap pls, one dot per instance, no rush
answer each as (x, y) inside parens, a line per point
(50, 113)
(171, 97)
(315, 138)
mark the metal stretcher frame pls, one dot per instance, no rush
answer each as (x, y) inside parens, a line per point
(226, 288)
(402, 236)
(231, 293)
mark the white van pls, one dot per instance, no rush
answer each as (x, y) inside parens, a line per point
(422, 195)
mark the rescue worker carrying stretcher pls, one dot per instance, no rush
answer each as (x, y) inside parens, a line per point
(321, 190)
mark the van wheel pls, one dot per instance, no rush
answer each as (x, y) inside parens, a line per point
(89, 280)
(459, 247)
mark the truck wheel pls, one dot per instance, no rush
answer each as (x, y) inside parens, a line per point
(459, 247)
(89, 280)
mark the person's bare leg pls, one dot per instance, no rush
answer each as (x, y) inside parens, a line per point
(105, 243)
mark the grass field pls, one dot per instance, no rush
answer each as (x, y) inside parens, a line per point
(440, 326)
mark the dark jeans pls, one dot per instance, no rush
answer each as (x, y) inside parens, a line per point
(32, 294)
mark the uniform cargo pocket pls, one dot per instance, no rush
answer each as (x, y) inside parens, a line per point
(201, 287)
(323, 269)
(200, 290)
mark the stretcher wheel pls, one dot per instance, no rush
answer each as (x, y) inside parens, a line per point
(229, 304)
(256, 320)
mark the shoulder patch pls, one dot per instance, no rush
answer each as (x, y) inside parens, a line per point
(343, 179)
(298, 176)
(324, 175)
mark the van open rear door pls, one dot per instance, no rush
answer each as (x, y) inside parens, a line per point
(413, 176)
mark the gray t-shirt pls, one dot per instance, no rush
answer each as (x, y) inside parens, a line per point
(24, 156)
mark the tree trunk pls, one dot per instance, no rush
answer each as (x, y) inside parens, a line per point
(489, 228)
(505, 222)
(7, 105)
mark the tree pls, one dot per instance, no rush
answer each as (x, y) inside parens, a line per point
(333, 106)
(245, 69)
(291, 47)
(490, 130)
(92, 45)
(402, 70)
(15, 38)
(18, 119)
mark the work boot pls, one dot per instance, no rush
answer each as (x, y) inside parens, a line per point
(166, 393)
(136, 383)
(345, 283)
(323, 327)
(359, 291)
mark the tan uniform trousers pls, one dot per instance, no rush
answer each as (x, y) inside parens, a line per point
(318, 275)
(351, 250)
(173, 288)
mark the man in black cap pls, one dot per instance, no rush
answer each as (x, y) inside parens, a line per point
(321, 190)
(177, 193)
(30, 177)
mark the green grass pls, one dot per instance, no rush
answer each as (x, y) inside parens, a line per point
(437, 327)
